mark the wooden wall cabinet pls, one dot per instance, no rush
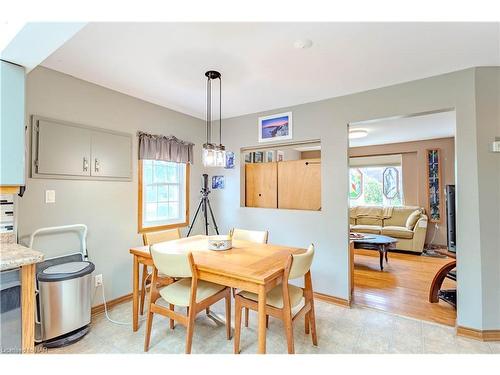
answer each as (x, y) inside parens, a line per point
(288, 185)
(261, 185)
(299, 184)
(72, 151)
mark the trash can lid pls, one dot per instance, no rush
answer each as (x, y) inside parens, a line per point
(66, 271)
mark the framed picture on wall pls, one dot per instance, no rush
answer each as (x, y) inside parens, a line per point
(218, 182)
(276, 127)
(280, 155)
(258, 157)
(229, 160)
(434, 198)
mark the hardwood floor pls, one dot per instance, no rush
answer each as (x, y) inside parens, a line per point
(403, 287)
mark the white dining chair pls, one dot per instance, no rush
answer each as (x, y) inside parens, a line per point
(257, 236)
(250, 235)
(187, 291)
(283, 298)
(151, 238)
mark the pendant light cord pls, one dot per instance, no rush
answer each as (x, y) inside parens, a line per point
(220, 110)
(209, 106)
(209, 111)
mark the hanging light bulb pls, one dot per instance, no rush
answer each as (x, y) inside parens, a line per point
(220, 156)
(208, 155)
(213, 155)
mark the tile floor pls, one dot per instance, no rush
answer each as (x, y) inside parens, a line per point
(340, 330)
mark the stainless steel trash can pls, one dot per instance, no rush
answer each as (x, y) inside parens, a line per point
(65, 294)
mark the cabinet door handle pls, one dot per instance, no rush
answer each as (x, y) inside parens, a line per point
(96, 165)
(85, 164)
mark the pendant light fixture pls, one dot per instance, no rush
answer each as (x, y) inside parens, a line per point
(213, 155)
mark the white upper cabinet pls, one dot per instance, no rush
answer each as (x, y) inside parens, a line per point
(12, 133)
(111, 155)
(65, 150)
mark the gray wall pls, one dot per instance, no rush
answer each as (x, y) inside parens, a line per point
(108, 208)
(487, 103)
(327, 120)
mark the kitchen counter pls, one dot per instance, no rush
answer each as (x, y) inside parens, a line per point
(13, 255)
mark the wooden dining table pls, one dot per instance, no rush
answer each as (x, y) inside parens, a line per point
(250, 266)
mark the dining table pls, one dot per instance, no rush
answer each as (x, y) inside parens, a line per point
(250, 266)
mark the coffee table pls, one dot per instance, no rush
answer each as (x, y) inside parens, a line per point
(376, 242)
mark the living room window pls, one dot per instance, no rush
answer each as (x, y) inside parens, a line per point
(376, 181)
(162, 194)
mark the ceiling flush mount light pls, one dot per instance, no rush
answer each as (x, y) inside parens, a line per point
(213, 155)
(357, 133)
(303, 43)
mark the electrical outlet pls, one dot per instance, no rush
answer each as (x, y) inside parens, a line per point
(98, 280)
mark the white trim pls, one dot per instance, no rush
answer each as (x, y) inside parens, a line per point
(375, 161)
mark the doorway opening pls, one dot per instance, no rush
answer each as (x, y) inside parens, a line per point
(402, 215)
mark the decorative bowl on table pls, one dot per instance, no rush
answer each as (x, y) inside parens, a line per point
(219, 243)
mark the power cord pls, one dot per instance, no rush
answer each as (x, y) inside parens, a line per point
(106, 308)
(436, 227)
(430, 244)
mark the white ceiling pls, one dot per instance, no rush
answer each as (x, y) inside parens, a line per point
(164, 63)
(395, 130)
(35, 41)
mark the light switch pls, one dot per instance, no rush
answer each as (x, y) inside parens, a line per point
(495, 146)
(50, 196)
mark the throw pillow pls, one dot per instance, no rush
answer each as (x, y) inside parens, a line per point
(412, 219)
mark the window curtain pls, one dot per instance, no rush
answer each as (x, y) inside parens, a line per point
(160, 147)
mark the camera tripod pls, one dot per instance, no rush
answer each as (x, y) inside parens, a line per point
(205, 206)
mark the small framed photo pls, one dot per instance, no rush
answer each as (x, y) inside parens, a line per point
(248, 157)
(218, 182)
(269, 156)
(280, 155)
(275, 127)
(229, 160)
(258, 157)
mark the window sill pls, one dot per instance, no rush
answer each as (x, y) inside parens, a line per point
(162, 227)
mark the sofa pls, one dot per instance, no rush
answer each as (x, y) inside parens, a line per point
(407, 224)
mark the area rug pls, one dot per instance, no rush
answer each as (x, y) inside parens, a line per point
(432, 253)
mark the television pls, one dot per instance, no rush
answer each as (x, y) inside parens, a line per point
(450, 217)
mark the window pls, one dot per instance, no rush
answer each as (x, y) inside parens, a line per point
(376, 186)
(163, 195)
(356, 177)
